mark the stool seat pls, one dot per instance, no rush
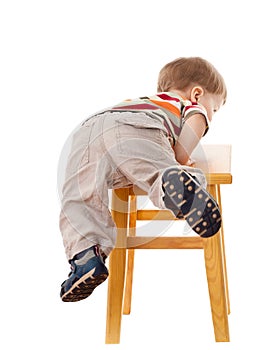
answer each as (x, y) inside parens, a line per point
(215, 161)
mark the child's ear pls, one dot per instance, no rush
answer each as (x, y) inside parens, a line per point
(196, 93)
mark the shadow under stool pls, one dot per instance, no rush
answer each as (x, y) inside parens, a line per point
(215, 161)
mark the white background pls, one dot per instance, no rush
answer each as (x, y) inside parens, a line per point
(62, 61)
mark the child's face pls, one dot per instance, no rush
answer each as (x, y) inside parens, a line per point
(211, 103)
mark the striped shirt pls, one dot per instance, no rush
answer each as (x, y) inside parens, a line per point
(170, 108)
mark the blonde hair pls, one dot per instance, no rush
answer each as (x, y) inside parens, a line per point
(186, 71)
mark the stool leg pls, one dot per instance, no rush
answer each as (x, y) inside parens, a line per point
(117, 262)
(131, 253)
(216, 282)
(115, 295)
(218, 198)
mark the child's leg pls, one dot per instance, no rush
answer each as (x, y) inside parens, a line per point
(85, 218)
(143, 154)
(85, 222)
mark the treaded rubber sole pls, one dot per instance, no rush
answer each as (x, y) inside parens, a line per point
(84, 287)
(196, 205)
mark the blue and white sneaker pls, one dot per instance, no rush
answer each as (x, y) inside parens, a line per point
(186, 197)
(87, 272)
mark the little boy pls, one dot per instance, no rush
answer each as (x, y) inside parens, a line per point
(145, 142)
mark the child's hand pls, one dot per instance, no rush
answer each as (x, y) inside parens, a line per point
(190, 162)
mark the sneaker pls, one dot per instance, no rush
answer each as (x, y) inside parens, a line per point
(197, 206)
(87, 272)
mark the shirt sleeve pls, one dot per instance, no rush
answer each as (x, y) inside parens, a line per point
(191, 108)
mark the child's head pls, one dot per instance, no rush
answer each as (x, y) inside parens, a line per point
(186, 72)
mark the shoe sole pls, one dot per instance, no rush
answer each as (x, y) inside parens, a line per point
(197, 206)
(84, 287)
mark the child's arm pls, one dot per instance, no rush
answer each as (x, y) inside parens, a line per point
(191, 133)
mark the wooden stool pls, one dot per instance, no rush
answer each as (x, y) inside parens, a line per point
(215, 162)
